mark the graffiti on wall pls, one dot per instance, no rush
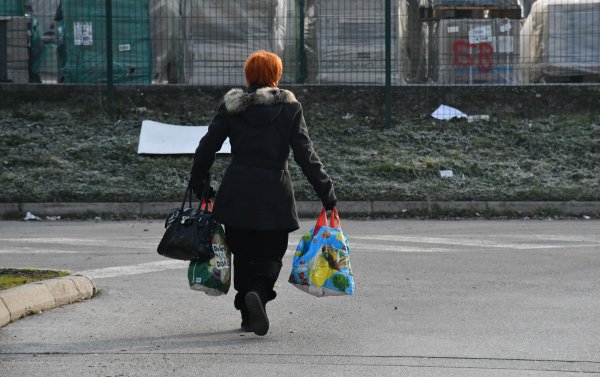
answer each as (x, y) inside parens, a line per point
(468, 54)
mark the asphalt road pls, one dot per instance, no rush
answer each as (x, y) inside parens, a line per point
(433, 298)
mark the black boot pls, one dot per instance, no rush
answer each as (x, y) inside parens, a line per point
(245, 326)
(259, 322)
(241, 306)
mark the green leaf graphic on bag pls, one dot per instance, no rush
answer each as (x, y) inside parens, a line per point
(341, 282)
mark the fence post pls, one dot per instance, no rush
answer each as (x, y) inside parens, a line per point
(388, 63)
(301, 50)
(109, 59)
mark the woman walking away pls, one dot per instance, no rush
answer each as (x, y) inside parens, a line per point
(255, 201)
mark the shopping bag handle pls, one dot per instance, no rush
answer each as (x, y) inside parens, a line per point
(206, 203)
(334, 221)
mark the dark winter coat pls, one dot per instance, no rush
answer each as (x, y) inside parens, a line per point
(256, 190)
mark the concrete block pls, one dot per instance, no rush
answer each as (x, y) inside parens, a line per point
(60, 209)
(15, 41)
(578, 208)
(158, 208)
(522, 207)
(311, 209)
(396, 207)
(466, 205)
(354, 207)
(17, 54)
(84, 285)
(20, 76)
(4, 314)
(27, 299)
(8, 207)
(400, 207)
(529, 207)
(17, 24)
(64, 290)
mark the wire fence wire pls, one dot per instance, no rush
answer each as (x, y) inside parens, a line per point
(321, 42)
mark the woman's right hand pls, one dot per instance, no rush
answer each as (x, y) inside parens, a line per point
(330, 204)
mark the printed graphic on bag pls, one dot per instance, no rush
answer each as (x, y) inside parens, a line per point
(321, 264)
(212, 276)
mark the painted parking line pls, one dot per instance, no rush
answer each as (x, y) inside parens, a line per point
(373, 247)
(135, 269)
(358, 243)
(142, 268)
(118, 242)
(475, 242)
(373, 243)
(49, 245)
(30, 250)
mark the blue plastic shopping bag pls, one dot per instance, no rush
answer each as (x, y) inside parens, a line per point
(321, 264)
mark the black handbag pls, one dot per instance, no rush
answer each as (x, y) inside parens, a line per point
(189, 231)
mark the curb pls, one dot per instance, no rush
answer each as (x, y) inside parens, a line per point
(309, 208)
(32, 298)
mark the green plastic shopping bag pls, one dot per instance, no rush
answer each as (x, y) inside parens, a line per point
(212, 276)
(321, 265)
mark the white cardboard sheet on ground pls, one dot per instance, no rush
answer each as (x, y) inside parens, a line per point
(446, 113)
(161, 138)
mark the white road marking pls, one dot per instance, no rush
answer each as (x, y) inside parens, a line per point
(135, 269)
(370, 243)
(466, 242)
(551, 237)
(29, 250)
(371, 247)
(374, 247)
(89, 241)
(48, 245)
(131, 243)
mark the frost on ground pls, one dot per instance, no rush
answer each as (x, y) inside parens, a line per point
(55, 152)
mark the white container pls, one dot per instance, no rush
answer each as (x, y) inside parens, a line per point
(560, 39)
(220, 35)
(346, 42)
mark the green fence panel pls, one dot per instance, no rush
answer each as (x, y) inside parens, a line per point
(474, 3)
(83, 43)
(12, 7)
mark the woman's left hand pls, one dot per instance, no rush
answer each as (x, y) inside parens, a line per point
(207, 191)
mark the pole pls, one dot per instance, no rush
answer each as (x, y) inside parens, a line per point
(301, 51)
(388, 64)
(109, 58)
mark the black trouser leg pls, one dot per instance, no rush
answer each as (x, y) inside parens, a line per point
(257, 260)
(242, 278)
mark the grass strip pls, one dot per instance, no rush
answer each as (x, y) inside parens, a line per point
(12, 277)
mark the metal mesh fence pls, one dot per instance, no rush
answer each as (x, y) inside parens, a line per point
(321, 42)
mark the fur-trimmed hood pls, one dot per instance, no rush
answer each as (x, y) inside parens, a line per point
(238, 100)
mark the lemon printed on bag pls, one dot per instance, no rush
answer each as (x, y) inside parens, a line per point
(327, 263)
(321, 271)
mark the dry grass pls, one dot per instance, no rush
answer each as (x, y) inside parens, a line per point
(56, 153)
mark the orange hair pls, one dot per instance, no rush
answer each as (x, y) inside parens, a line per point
(263, 68)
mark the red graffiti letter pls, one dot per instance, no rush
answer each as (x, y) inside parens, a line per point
(462, 55)
(485, 62)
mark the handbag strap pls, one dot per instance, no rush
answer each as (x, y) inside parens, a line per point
(204, 200)
(187, 195)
